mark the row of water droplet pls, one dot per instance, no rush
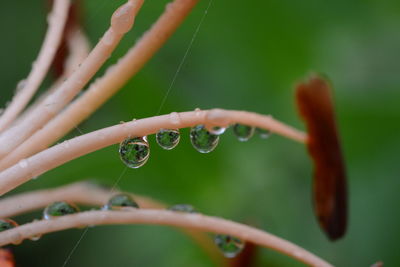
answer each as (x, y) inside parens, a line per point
(230, 246)
(135, 152)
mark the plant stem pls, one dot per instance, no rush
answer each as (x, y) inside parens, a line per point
(57, 20)
(14, 136)
(114, 78)
(163, 217)
(71, 149)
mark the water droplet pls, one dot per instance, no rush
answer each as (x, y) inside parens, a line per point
(175, 118)
(120, 201)
(243, 132)
(6, 224)
(229, 245)
(23, 163)
(197, 112)
(183, 208)
(21, 84)
(217, 130)
(35, 237)
(202, 140)
(134, 152)
(168, 139)
(264, 134)
(59, 208)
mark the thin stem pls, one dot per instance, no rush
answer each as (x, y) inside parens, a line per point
(85, 193)
(163, 217)
(71, 149)
(79, 49)
(121, 22)
(57, 20)
(114, 78)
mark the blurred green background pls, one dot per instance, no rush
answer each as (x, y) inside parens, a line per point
(247, 55)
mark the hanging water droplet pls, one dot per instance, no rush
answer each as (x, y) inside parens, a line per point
(264, 134)
(243, 132)
(6, 224)
(202, 140)
(120, 201)
(35, 237)
(59, 208)
(134, 152)
(229, 245)
(168, 139)
(217, 130)
(183, 208)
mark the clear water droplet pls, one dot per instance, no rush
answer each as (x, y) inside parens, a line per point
(229, 245)
(217, 130)
(23, 163)
(6, 224)
(202, 140)
(264, 134)
(134, 152)
(120, 201)
(59, 208)
(167, 138)
(243, 132)
(183, 208)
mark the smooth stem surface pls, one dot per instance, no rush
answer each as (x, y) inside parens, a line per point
(163, 217)
(115, 77)
(57, 20)
(55, 156)
(55, 102)
(86, 193)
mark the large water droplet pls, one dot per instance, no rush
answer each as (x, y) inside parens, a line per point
(59, 208)
(264, 134)
(168, 139)
(120, 201)
(134, 152)
(229, 245)
(183, 208)
(6, 224)
(243, 132)
(202, 140)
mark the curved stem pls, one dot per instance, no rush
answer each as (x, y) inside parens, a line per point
(162, 217)
(86, 193)
(121, 22)
(57, 155)
(104, 87)
(83, 193)
(52, 40)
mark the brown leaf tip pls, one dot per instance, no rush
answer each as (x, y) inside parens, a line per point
(314, 101)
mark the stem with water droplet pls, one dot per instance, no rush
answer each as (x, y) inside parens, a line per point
(106, 86)
(84, 144)
(56, 19)
(55, 102)
(163, 217)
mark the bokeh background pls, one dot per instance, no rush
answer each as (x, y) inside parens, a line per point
(247, 55)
